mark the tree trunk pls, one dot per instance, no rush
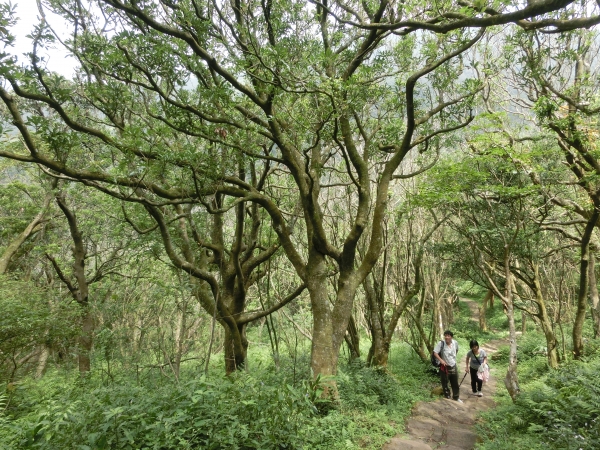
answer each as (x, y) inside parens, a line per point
(15, 244)
(482, 321)
(551, 342)
(512, 380)
(483, 310)
(376, 356)
(583, 284)
(342, 312)
(353, 339)
(137, 335)
(85, 340)
(450, 299)
(382, 335)
(323, 360)
(236, 349)
(594, 297)
(80, 289)
(379, 354)
(180, 332)
(423, 347)
(42, 361)
(381, 351)
(438, 312)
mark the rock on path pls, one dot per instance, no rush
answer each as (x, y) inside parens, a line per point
(446, 424)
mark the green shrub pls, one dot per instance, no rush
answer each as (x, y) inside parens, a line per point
(266, 408)
(231, 412)
(560, 410)
(566, 409)
(366, 387)
(30, 316)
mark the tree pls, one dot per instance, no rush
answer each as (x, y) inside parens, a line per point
(562, 89)
(31, 319)
(228, 267)
(170, 80)
(401, 272)
(91, 263)
(533, 244)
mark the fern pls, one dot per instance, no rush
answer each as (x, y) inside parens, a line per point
(560, 409)
(3, 400)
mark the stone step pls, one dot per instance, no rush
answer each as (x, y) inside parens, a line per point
(399, 443)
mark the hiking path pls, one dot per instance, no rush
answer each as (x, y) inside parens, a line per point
(446, 424)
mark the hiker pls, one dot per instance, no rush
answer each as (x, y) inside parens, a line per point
(445, 351)
(475, 358)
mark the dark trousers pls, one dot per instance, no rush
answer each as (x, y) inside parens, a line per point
(476, 383)
(452, 376)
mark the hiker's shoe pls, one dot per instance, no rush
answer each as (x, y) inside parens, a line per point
(459, 400)
(479, 394)
(474, 393)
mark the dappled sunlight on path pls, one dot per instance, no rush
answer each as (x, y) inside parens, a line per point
(446, 424)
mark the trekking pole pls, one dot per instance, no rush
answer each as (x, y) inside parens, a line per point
(463, 379)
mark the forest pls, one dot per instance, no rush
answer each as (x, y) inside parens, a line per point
(245, 224)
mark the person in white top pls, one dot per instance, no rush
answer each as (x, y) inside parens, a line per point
(445, 351)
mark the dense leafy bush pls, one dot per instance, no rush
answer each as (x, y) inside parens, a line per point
(365, 387)
(565, 408)
(560, 410)
(232, 412)
(29, 316)
(260, 409)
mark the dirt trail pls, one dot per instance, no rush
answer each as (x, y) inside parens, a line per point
(446, 424)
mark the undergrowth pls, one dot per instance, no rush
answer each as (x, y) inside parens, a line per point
(263, 408)
(557, 409)
(280, 407)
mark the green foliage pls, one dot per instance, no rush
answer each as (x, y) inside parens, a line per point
(17, 208)
(557, 409)
(260, 409)
(233, 412)
(467, 288)
(502, 354)
(31, 316)
(560, 410)
(532, 355)
(545, 107)
(366, 388)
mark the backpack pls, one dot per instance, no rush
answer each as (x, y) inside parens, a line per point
(434, 361)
